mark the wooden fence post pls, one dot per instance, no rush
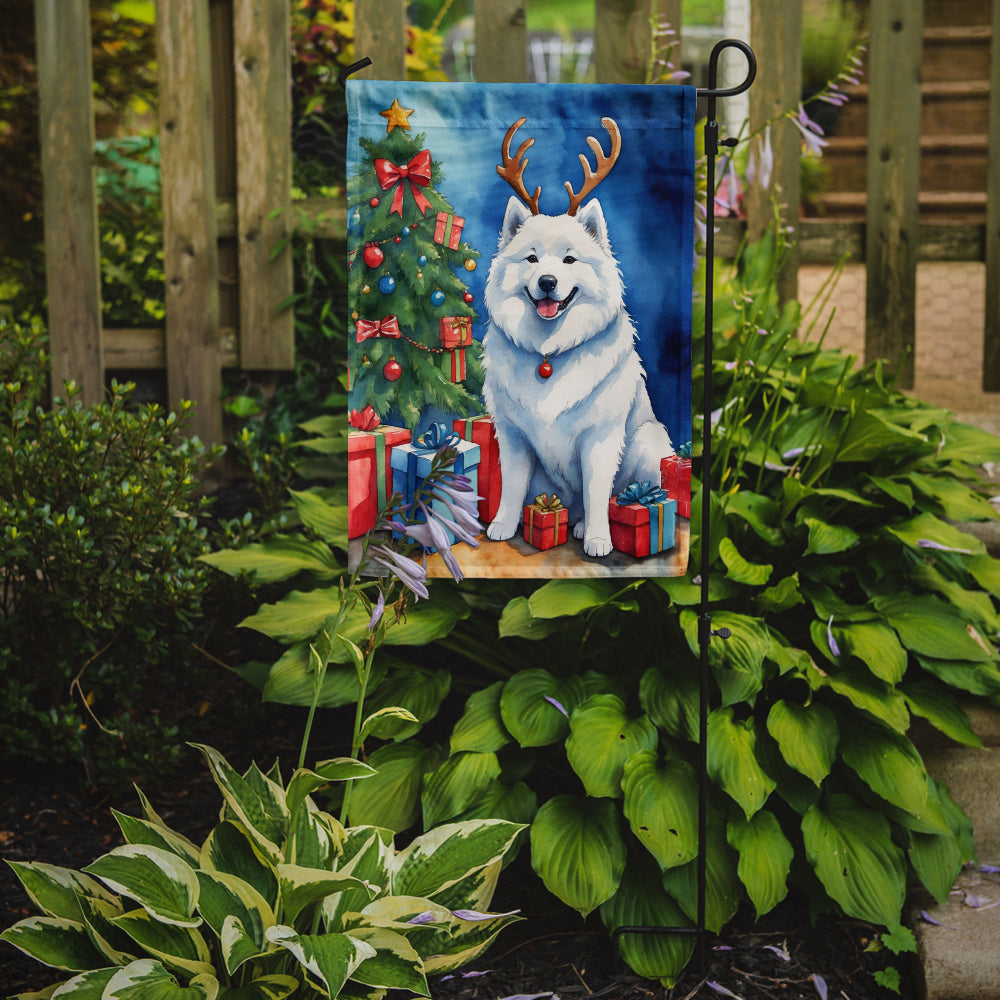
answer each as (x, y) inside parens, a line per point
(892, 215)
(190, 251)
(262, 61)
(501, 41)
(991, 332)
(72, 255)
(622, 40)
(776, 35)
(380, 34)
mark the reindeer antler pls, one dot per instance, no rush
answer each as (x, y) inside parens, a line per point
(512, 168)
(591, 178)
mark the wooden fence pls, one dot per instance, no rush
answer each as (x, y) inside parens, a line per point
(226, 161)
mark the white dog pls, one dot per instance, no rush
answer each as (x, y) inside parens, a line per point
(563, 382)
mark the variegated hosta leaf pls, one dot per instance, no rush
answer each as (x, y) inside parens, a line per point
(723, 889)
(481, 727)
(807, 736)
(54, 941)
(87, 986)
(732, 760)
(456, 784)
(888, 763)
(329, 959)
(578, 851)
(274, 987)
(141, 831)
(535, 706)
(315, 838)
(147, 979)
(850, 847)
(395, 964)
(391, 799)
(230, 849)
(56, 891)
(116, 946)
(441, 857)
(256, 801)
(158, 880)
(476, 890)
(367, 853)
(224, 898)
(661, 805)
(177, 947)
(301, 887)
(602, 737)
(765, 858)
(642, 902)
(304, 782)
(468, 939)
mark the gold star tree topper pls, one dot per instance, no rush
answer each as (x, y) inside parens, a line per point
(396, 115)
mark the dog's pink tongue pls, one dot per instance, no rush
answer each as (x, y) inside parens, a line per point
(547, 308)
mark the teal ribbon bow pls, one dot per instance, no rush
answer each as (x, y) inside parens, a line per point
(436, 437)
(646, 493)
(684, 450)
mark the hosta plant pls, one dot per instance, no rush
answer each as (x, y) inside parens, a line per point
(279, 900)
(856, 604)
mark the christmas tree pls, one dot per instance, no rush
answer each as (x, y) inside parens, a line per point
(411, 345)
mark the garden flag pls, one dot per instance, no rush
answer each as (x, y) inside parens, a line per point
(519, 287)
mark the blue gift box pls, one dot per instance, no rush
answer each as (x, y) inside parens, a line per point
(411, 464)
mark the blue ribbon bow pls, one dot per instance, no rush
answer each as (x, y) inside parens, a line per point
(436, 437)
(684, 450)
(646, 493)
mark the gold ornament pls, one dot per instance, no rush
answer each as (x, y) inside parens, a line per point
(470, 264)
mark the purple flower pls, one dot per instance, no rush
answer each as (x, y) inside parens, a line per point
(811, 132)
(780, 952)
(427, 917)
(411, 573)
(377, 611)
(466, 520)
(475, 915)
(719, 988)
(432, 535)
(820, 983)
(552, 701)
(760, 166)
(927, 543)
(831, 642)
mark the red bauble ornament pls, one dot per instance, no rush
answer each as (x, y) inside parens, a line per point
(545, 369)
(374, 203)
(468, 297)
(393, 369)
(373, 255)
(397, 239)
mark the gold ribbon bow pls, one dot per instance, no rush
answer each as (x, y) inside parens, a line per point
(546, 504)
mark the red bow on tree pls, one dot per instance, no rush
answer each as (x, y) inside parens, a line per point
(368, 329)
(416, 172)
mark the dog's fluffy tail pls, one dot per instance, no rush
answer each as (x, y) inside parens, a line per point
(647, 444)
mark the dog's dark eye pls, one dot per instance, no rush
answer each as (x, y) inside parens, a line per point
(569, 260)
(532, 258)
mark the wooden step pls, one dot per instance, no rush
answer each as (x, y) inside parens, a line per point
(957, 206)
(946, 105)
(947, 162)
(956, 53)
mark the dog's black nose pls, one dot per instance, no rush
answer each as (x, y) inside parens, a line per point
(547, 283)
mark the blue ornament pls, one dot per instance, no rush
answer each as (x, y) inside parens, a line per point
(422, 259)
(387, 284)
(437, 297)
(406, 230)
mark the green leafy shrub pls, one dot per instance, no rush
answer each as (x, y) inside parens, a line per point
(855, 603)
(101, 584)
(280, 899)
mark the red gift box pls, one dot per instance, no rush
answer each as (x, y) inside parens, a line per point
(454, 366)
(545, 522)
(448, 229)
(640, 529)
(479, 430)
(455, 331)
(675, 478)
(369, 476)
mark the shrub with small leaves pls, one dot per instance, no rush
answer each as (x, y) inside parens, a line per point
(99, 574)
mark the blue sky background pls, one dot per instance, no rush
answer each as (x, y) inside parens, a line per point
(648, 198)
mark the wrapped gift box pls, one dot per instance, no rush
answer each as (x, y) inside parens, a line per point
(448, 229)
(454, 365)
(455, 331)
(369, 474)
(642, 520)
(675, 478)
(546, 522)
(411, 464)
(480, 431)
